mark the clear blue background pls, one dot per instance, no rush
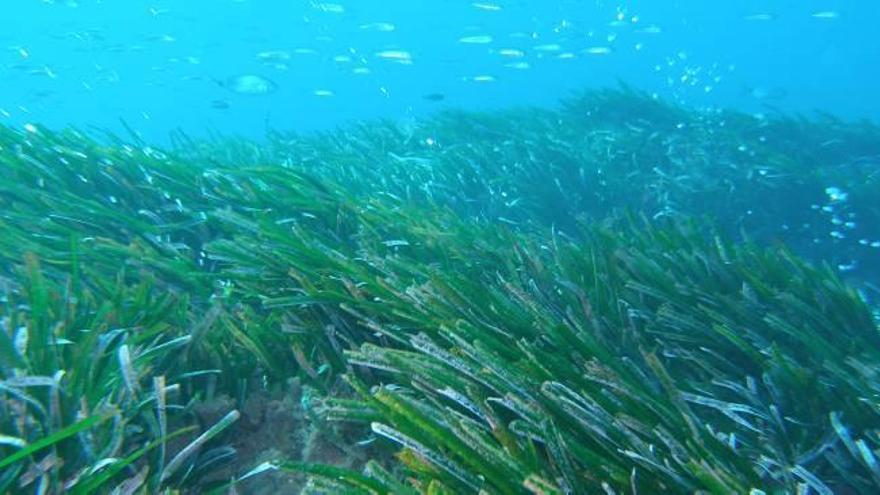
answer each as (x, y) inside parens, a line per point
(154, 64)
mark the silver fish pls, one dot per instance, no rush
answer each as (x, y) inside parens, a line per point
(249, 84)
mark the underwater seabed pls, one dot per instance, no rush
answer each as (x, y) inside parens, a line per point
(619, 296)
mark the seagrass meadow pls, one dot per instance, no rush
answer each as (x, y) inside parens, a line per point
(616, 296)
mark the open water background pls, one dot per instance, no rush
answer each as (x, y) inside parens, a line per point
(161, 65)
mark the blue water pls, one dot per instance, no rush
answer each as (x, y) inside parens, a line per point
(158, 65)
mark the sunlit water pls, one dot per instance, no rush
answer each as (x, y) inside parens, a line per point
(161, 65)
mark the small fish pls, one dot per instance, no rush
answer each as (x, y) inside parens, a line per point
(827, 14)
(769, 94)
(476, 40)
(489, 7)
(836, 194)
(273, 56)
(550, 47)
(597, 50)
(396, 55)
(43, 71)
(653, 29)
(249, 84)
(333, 8)
(434, 97)
(760, 17)
(511, 52)
(220, 104)
(382, 27)
(396, 242)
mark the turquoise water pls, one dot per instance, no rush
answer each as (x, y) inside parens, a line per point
(533, 247)
(163, 65)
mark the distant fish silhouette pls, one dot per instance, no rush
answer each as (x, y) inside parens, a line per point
(760, 17)
(249, 84)
(434, 97)
(765, 94)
